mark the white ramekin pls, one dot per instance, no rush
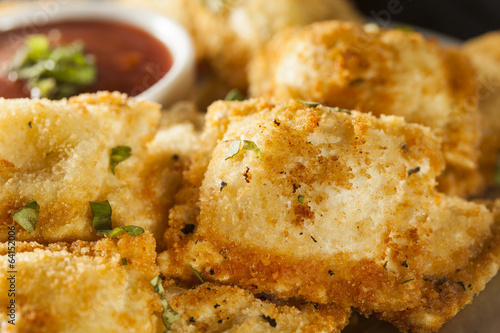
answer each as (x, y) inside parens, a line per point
(173, 86)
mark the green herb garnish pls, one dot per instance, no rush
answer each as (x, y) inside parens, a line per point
(301, 199)
(337, 109)
(309, 104)
(27, 216)
(198, 275)
(406, 281)
(169, 315)
(234, 148)
(101, 221)
(101, 215)
(234, 95)
(119, 154)
(132, 230)
(497, 171)
(124, 262)
(53, 72)
(250, 145)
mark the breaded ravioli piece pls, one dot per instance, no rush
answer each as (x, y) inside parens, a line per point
(324, 204)
(91, 287)
(217, 308)
(58, 153)
(390, 72)
(484, 52)
(228, 32)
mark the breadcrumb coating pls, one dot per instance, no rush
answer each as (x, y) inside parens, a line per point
(380, 71)
(341, 208)
(217, 308)
(82, 287)
(484, 52)
(58, 153)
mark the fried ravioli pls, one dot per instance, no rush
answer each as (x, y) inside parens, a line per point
(485, 54)
(327, 205)
(58, 153)
(82, 287)
(216, 308)
(381, 71)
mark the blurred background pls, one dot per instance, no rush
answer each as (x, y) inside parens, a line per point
(458, 18)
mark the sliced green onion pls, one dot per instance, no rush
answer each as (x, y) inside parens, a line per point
(301, 199)
(27, 216)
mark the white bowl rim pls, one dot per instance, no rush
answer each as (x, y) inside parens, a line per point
(170, 33)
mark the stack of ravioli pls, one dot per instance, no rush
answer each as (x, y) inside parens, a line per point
(343, 184)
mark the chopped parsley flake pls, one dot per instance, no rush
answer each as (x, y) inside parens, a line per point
(497, 172)
(331, 272)
(119, 154)
(234, 95)
(101, 215)
(124, 262)
(169, 316)
(301, 199)
(27, 216)
(406, 281)
(337, 109)
(404, 264)
(309, 103)
(461, 284)
(270, 320)
(101, 221)
(250, 145)
(132, 230)
(234, 148)
(198, 275)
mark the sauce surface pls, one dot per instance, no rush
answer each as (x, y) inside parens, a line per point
(127, 58)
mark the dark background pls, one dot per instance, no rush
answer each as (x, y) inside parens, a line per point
(459, 18)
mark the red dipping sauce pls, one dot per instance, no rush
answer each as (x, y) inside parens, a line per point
(128, 59)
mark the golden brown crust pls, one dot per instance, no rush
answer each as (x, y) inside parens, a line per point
(57, 153)
(83, 286)
(381, 71)
(216, 308)
(484, 52)
(374, 231)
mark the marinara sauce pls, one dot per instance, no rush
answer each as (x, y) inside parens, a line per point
(128, 59)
